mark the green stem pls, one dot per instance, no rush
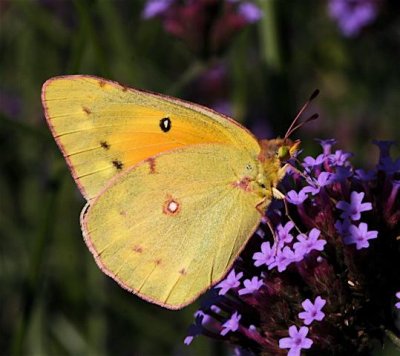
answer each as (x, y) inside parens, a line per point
(269, 35)
(34, 281)
(187, 76)
(240, 82)
(118, 40)
(91, 36)
(279, 103)
(393, 338)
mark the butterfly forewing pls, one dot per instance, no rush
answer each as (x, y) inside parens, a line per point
(103, 128)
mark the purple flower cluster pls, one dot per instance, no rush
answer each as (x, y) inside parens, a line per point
(353, 234)
(206, 26)
(353, 15)
(325, 278)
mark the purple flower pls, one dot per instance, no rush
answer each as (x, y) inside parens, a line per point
(202, 319)
(260, 232)
(397, 305)
(188, 339)
(200, 23)
(312, 311)
(342, 227)
(313, 189)
(386, 163)
(283, 232)
(195, 329)
(215, 309)
(231, 281)
(283, 259)
(306, 244)
(155, 8)
(360, 236)
(327, 145)
(341, 174)
(251, 285)
(353, 209)
(296, 198)
(297, 341)
(364, 175)
(266, 256)
(231, 324)
(339, 158)
(352, 15)
(324, 178)
(384, 148)
(389, 166)
(250, 12)
(311, 162)
(252, 328)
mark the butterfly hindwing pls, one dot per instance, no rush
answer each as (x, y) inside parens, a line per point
(170, 227)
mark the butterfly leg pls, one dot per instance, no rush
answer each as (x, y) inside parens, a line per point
(279, 195)
(289, 217)
(274, 236)
(296, 170)
(261, 209)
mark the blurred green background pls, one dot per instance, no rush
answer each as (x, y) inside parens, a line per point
(53, 298)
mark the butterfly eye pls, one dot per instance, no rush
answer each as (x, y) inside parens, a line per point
(283, 153)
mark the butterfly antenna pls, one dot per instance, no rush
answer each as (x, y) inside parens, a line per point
(300, 124)
(295, 125)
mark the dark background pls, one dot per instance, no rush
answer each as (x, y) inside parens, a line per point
(53, 298)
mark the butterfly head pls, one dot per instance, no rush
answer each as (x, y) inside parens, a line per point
(273, 159)
(287, 149)
(278, 150)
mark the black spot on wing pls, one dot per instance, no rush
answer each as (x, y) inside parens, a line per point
(118, 164)
(165, 124)
(105, 145)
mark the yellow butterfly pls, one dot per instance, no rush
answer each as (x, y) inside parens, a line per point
(174, 190)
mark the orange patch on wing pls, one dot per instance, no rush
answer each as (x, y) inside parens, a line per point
(102, 83)
(157, 261)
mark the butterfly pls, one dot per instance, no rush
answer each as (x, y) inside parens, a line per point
(174, 190)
